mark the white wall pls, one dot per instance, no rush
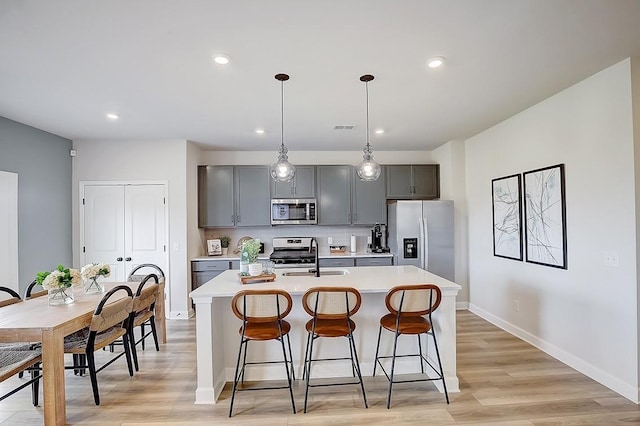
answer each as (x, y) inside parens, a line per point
(143, 161)
(586, 316)
(451, 158)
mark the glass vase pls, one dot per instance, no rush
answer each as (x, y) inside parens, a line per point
(60, 296)
(92, 285)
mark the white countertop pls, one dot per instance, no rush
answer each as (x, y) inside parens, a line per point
(321, 255)
(367, 279)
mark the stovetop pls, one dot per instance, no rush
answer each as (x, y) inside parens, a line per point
(292, 250)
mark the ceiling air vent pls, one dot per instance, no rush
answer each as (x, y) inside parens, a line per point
(339, 127)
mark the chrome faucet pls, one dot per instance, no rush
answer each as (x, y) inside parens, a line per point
(311, 244)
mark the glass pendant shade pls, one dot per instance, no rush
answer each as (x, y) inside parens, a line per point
(368, 169)
(282, 170)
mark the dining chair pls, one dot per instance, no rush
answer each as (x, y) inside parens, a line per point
(110, 322)
(331, 309)
(262, 313)
(144, 302)
(137, 277)
(13, 362)
(29, 293)
(408, 305)
(9, 297)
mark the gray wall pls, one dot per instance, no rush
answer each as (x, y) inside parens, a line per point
(43, 165)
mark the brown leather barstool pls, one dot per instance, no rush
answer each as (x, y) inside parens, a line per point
(262, 313)
(408, 305)
(331, 309)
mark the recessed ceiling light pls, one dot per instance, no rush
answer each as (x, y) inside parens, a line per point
(260, 131)
(379, 131)
(112, 116)
(221, 59)
(435, 62)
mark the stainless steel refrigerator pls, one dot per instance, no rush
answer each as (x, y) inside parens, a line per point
(421, 233)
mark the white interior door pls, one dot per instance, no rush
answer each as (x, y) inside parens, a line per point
(144, 225)
(124, 226)
(104, 228)
(9, 230)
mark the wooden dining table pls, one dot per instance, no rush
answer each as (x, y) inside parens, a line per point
(35, 320)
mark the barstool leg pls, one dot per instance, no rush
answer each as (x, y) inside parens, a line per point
(420, 349)
(293, 374)
(393, 367)
(308, 371)
(444, 383)
(375, 361)
(236, 375)
(306, 352)
(286, 367)
(357, 367)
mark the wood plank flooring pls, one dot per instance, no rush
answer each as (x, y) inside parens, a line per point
(503, 380)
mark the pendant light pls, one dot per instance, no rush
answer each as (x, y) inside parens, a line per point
(282, 170)
(368, 170)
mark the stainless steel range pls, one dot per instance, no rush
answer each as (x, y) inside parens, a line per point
(291, 252)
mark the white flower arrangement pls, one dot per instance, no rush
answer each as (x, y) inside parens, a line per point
(93, 270)
(58, 278)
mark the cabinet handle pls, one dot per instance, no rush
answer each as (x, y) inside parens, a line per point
(127, 259)
(237, 218)
(118, 259)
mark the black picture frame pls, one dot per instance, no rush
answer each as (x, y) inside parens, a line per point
(545, 216)
(507, 217)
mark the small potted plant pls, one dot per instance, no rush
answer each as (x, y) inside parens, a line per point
(250, 250)
(224, 243)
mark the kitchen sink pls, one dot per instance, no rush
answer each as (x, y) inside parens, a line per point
(311, 273)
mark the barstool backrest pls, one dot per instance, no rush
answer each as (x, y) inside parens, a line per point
(413, 300)
(331, 302)
(261, 305)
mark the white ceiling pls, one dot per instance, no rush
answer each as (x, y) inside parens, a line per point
(64, 64)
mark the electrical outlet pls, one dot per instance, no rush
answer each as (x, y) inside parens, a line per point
(516, 305)
(330, 240)
(611, 258)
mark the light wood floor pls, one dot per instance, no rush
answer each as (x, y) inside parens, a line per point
(503, 381)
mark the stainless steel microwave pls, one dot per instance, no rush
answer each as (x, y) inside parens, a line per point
(290, 211)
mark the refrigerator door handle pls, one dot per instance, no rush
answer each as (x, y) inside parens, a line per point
(424, 243)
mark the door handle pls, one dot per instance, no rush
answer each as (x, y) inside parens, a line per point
(118, 259)
(127, 259)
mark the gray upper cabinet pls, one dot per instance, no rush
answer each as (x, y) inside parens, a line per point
(215, 196)
(420, 182)
(253, 199)
(369, 205)
(231, 196)
(334, 195)
(303, 184)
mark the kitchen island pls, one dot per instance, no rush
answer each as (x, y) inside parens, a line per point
(217, 337)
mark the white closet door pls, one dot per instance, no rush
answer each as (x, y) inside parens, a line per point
(124, 226)
(104, 228)
(145, 230)
(9, 230)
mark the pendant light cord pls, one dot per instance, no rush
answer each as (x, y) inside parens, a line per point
(282, 115)
(366, 85)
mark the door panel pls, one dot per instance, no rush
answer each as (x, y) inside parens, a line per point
(104, 228)
(144, 230)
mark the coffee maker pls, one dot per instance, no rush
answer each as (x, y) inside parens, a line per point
(379, 239)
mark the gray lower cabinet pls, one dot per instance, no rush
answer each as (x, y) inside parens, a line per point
(230, 196)
(417, 181)
(346, 262)
(204, 270)
(374, 261)
(303, 184)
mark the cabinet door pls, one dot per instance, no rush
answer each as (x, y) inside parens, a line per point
(253, 197)
(398, 181)
(336, 263)
(215, 196)
(369, 204)
(334, 195)
(199, 278)
(426, 181)
(374, 261)
(305, 182)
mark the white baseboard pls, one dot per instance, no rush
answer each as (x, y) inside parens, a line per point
(630, 392)
(178, 315)
(462, 306)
